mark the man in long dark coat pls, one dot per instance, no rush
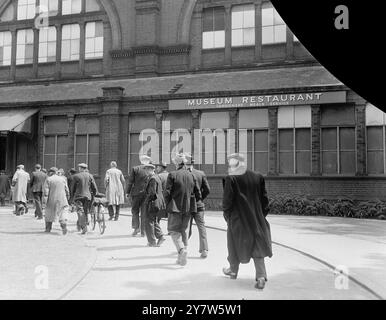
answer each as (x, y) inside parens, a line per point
(136, 188)
(180, 186)
(245, 206)
(38, 178)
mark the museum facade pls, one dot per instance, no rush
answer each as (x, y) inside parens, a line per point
(95, 81)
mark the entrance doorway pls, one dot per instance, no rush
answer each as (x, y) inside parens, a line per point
(3, 152)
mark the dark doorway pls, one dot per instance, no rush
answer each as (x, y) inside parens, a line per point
(3, 152)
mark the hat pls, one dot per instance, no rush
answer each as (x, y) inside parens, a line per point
(236, 156)
(72, 171)
(53, 169)
(179, 158)
(82, 165)
(149, 165)
(161, 164)
(144, 159)
(189, 159)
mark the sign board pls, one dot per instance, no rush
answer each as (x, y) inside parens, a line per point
(290, 99)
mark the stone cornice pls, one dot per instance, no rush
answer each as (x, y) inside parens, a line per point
(144, 50)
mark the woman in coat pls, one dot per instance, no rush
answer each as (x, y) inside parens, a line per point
(55, 197)
(245, 206)
(115, 190)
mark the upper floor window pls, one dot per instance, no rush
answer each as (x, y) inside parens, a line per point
(71, 6)
(94, 40)
(49, 5)
(92, 5)
(47, 44)
(70, 42)
(274, 29)
(243, 25)
(213, 35)
(25, 46)
(8, 14)
(5, 48)
(26, 9)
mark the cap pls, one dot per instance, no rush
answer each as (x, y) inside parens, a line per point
(149, 165)
(180, 158)
(82, 165)
(144, 159)
(236, 156)
(161, 164)
(53, 169)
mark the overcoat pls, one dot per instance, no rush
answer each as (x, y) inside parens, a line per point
(55, 195)
(138, 179)
(115, 186)
(37, 181)
(4, 184)
(202, 181)
(155, 202)
(20, 181)
(245, 206)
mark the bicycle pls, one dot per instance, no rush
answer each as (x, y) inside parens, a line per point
(98, 215)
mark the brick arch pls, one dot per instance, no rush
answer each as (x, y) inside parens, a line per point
(111, 12)
(184, 21)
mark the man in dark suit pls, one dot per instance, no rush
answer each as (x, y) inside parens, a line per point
(36, 184)
(83, 189)
(180, 186)
(198, 215)
(136, 188)
(162, 173)
(5, 186)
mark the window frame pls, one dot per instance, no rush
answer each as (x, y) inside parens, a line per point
(9, 46)
(213, 31)
(266, 6)
(244, 28)
(24, 46)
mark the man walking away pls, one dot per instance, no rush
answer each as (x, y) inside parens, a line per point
(155, 204)
(115, 190)
(4, 187)
(162, 173)
(55, 197)
(245, 205)
(36, 184)
(198, 214)
(180, 186)
(20, 183)
(83, 189)
(136, 188)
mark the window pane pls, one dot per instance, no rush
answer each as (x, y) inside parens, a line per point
(267, 36)
(93, 163)
(347, 138)
(285, 117)
(56, 125)
(208, 20)
(208, 40)
(219, 19)
(286, 162)
(81, 144)
(249, 16)
(261, 162)
(261, 140)
(374, 116)
(92, 5)
(80, 159)
(219, 39)
(267, 16)
(303, 139)
(329, 139)
(286, 142)
(329, 162)
(237, 37)
(49, 161)
(214, 120)
(249, 36)
(280, 33)
(375, 162)
(303, 116)
(237, 17)
(375, 138)
(303, 162)
(93, 146)
(86, 125)
(347, 162)
(179, 120)
(61, 162)
(333, 115)
(49, 145)
(253, 118)
(141, 121)
(62, 145)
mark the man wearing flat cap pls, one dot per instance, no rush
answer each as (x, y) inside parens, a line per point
(181, 185)
(36, 183)
(55, 198)
(20, 182)
(162, 173)
(245, 206)
(83, 189)
(198, 208)
(136, 189)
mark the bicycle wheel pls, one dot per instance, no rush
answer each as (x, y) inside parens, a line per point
(93, 220)
(101, 219)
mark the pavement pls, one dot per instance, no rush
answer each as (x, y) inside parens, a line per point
(118, 266)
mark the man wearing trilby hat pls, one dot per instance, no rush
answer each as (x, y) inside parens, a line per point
(180, 186)
(136, 188)
(245, 205)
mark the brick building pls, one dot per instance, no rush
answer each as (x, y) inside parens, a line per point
(101, 80)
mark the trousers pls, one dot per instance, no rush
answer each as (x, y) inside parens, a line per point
(138, 211)
(200, 222)
(38, 204)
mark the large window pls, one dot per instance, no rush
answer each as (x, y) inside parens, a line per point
(338, 140)
(56, 142)
(294, 124)
(274, 29)
(70, 42)
(26, 9)
(214, 141)
(213, 35)
(376, 138)
(243, 25)
(92, 5)
(25, 46)
(5, 48)
(50, 5)
(94, 40)
(47, 44)
(87, 142)
(253, 138)
(71, 7)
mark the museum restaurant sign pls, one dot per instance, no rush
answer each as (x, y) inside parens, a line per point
(259, 101)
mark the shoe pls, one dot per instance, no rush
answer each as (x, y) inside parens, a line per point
(260, 284)
(110, 218)
(64, 228)
(84, 230)
(161, 241)
(39, 218)
(142, 235)
(116, 219)
(229, 272)
(151, 244)
(183, 258)
(48, 227)
(136, 231)
(204, 254)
